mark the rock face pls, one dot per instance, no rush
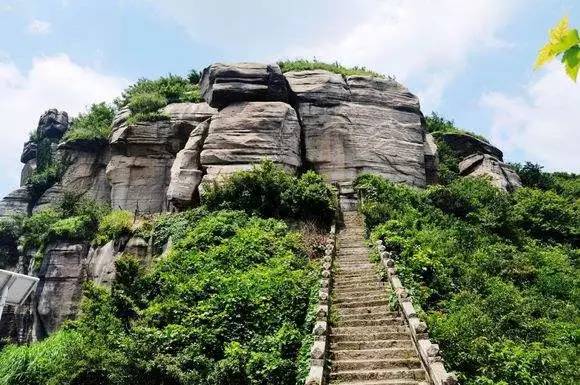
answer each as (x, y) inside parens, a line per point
(431, 160)
(142, 155)
(28, 152)
(244, 133)
(224, 84)
(59, 291)
(15, 203)
(500, 173)
(186, 172)
(53, 124)
(359, 125)
(465, 145)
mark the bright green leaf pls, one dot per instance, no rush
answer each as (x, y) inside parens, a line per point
(571, 60)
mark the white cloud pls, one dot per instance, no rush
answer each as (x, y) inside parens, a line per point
(424, 43)
(541, 123)
(39, 27)
(52, 82)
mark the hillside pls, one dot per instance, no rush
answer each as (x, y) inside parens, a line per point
(186, 235)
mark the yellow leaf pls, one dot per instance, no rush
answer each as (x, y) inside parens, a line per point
(559, 32)
(561, 39)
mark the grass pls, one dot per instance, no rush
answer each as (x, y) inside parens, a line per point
(308, 65)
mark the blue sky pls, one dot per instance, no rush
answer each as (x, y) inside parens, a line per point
(469, 60)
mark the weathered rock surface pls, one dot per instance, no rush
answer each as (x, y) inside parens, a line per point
(224, 84)
(186, 172)
(192, 113)
(101, 263)
(53, 124)
(431, 160)
(28, 169)
(358, 125)
(500, 173)
(28, 152)
(59, 291)
(15, 203)
(465, 145)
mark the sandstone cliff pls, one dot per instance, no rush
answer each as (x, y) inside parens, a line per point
(340, 126)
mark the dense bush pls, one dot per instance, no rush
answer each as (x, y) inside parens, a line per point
(10, 232)
(269, 191)
(94, 125)
(565, 184)
(307, 65)
(228, 305)
(500, 293)
(114, 225)
(439, 124)
(146, 97)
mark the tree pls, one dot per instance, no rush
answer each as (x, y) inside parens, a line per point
(564, 42)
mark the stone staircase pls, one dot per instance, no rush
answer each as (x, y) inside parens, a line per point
(369, 344)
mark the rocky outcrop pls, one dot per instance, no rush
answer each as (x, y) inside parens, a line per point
(500, 173)
(464, 145)
(359, 125)
(15, 203)
(186, 171)
(242, 134)
(143, 153)
(224, 84)
(59, 291)
(431, 160)
(53, 124)
(28, 152)
(101, 263)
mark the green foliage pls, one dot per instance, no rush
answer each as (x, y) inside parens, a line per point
(10, 232)
(94, 125)
(500, 293)
(146, 97)
(228, 305)
(565, 184)
(564, 42)
(114, 225)
(194, 76)
(307, 65)
(439, 124)
(174, 226)
(269, 191)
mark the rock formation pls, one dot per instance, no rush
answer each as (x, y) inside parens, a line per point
(339, 126)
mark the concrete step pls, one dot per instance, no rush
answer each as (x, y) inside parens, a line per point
(365, 330)
(368, 345)
(359, 290)
(384, 322)
(369, 316)
(384, 335)
(362, 311)
(386, 374)
(367, 365)
(350, 280)
(376, 296)
(400, 381)
(362, 304)
(373, 354)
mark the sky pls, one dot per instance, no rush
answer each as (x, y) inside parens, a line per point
(470, 61)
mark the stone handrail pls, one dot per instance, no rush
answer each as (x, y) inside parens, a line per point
(319, 350)
(428, 351)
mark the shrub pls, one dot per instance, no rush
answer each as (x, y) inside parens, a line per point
(174, 225)
(307, 65)
(146, 97)
(501, 303)
(10, 232)
(114, 225)
(94, 125)
(269, 191)
(76, 228)
(439, 124)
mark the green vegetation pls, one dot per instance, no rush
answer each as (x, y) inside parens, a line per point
(10, 230)
(565, 184)
(564, 42)
(227, 306)
(146, 97)
(307, 65)
(496, 274)
(438, 124)
(113, 225)
(269, 191)
(94, 125)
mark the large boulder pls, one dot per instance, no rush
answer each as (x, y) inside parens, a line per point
(53, 124)
(464, 145)
(15, 203)
(28, 152)
(191, 113)
(243, 134)
(59, 291)
(186, 172)
(359, 124)
(500, 173)
(224, 84)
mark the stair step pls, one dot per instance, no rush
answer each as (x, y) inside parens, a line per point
(370, 322)
(372, 296)
(367, 345)
(369, 316)
(399, 381)
(369, 329)
(362, 311)
(362, 304)
(359, 291)
(384, 335)
(338, 281)
(373, 353)
(348, 365)
(385, 374)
